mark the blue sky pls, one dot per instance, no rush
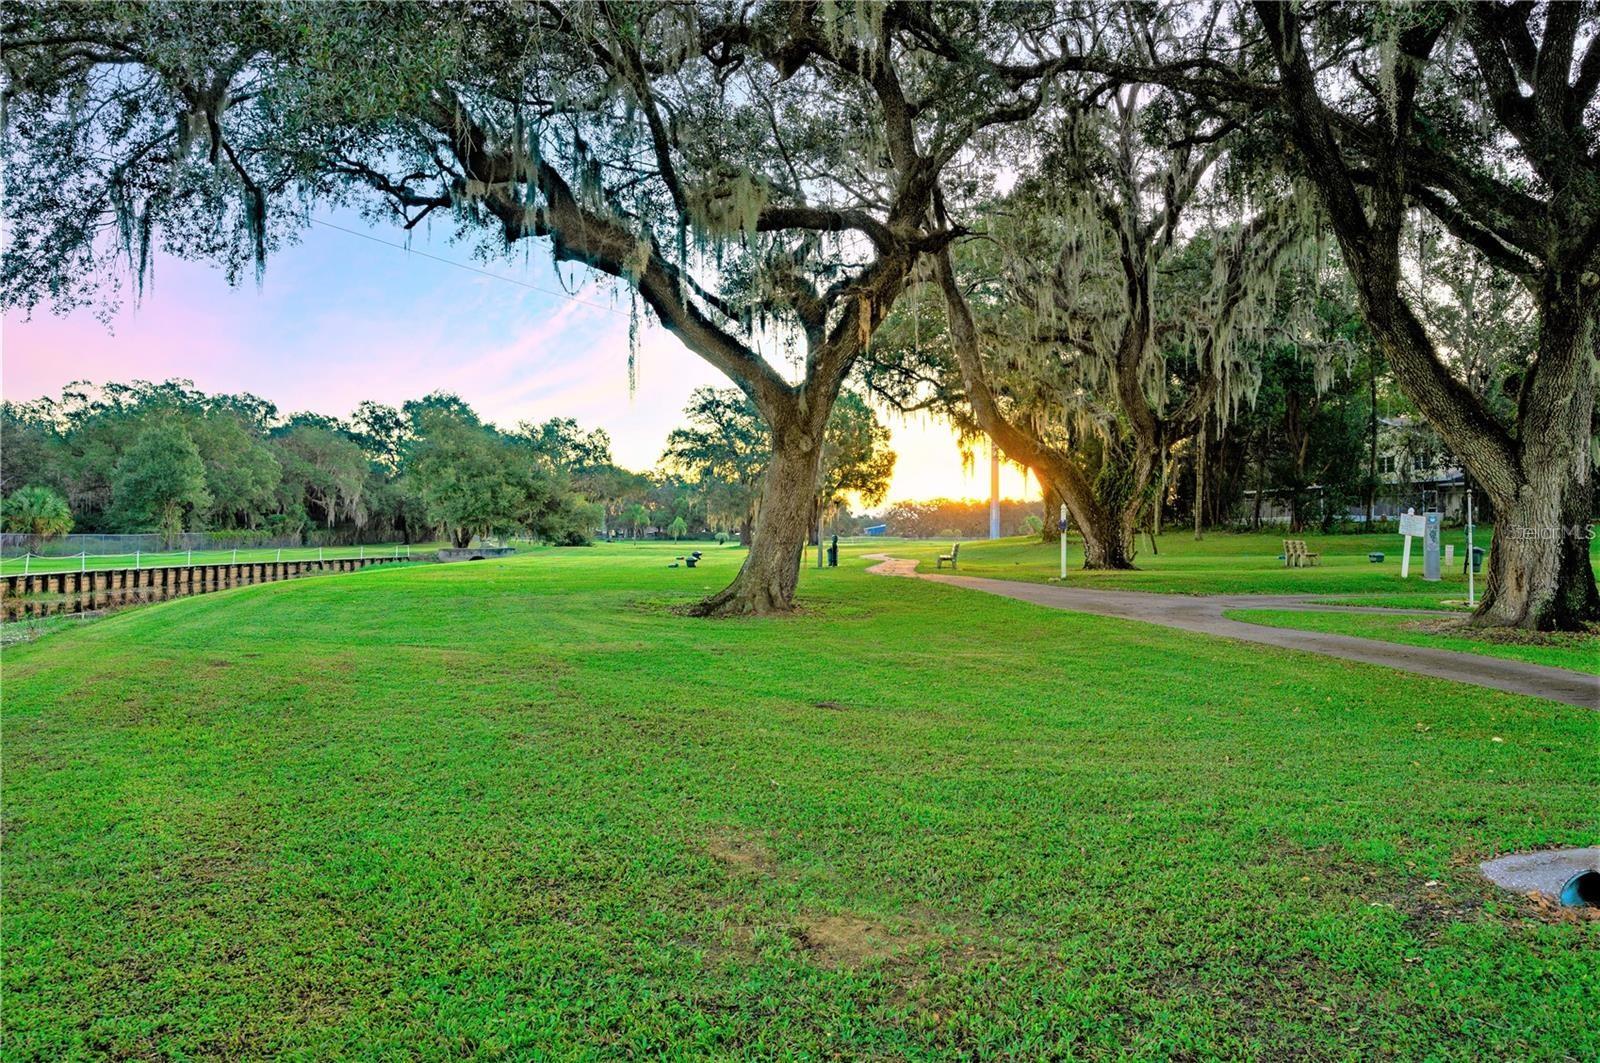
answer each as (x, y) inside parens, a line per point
(339, 318)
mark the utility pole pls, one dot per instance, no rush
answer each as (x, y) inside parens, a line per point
(994, 490)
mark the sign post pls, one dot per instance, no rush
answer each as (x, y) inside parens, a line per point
(1411, 525)
(1061, 525)
(1472, 569)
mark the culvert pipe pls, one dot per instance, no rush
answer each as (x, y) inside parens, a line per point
(1582, 890)
(1572, 876)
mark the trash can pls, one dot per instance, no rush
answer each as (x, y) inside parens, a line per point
(1477, 559)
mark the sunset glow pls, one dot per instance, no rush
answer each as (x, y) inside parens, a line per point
(339, 319)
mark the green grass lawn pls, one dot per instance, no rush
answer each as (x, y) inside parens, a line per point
(523, 809)
(1578, 652)
(1223, 563)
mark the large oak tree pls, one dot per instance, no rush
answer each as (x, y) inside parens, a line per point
(1485, 117)
(761, 175)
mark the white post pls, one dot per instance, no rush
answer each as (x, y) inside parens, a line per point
(1062, 525)
(136, 559)
(1405, 555)
(25, 563)
(1472, 583)
(319, 554)
(994, 491)
(83, 561)
(280, 553)
(361, 553)
(236, 555)
(189, 560)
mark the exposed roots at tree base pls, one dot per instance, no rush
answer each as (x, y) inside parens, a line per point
(734, 602)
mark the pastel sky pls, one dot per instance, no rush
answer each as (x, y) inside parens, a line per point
(339, 318)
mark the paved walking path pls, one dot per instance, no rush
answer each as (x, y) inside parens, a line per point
(1204, 614)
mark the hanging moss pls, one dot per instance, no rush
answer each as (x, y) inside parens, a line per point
(728, 202)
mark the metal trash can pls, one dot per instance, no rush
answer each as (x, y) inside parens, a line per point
(1477, 560)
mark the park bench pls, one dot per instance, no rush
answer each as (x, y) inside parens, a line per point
(1295, 554)
(952, 556)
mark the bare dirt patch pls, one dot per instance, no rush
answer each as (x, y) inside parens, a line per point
(851, 941)
(742, 854)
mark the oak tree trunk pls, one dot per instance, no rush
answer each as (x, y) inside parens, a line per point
(1540, 576)
(766, 582)
(1107, 542)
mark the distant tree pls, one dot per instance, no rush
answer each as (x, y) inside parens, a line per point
(242, 473)
(416, 411)
(677, 528)
(471, 480)
(569, 446)
(37, 512)
(30, 451)
(381, 432)
(635, 517)
(326, 471)
(461, 474)
(160, 483)
(723, 450)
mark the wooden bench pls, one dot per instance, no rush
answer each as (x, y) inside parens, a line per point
(1295, 554)
(952, 556)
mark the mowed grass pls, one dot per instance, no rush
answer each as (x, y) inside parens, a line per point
(1224, 563)
(1578, 652)
(522, 809)
(1247, 563)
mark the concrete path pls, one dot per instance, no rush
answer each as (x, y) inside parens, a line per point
(1204, 614)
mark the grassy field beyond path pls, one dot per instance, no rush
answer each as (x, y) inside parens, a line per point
(522, 808)
(1224, 563)
(1247, 563)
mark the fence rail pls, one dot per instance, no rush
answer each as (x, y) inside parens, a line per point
(83, 561)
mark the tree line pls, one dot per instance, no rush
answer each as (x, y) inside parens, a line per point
(1081, 230)
(167, 458)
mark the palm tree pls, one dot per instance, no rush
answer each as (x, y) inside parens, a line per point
(38, 513)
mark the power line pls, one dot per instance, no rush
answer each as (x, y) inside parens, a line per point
(471, 269)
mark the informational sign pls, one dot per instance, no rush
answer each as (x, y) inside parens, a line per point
(1411, 526)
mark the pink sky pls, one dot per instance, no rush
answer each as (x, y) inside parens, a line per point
(339, 319)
